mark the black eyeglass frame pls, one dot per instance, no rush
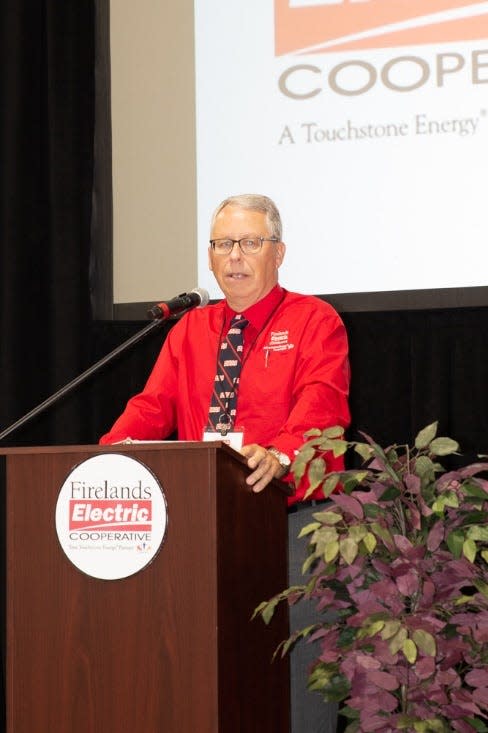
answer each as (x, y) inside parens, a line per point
(262, 240)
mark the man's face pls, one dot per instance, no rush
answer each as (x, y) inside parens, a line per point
(244, 279)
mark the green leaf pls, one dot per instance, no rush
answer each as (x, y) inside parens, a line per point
(390, 628)
(327, 444)
(473, 489)
(308, 529)
(287, 644)
(404, 721)
(477, 724)
(330, 485)
(382, 533)
(410, 650)
(484, 555)
(336, 431)
(370, 542)
(346, 637)
(358, 532)
(316, 472)
(478, 533)
(455, 542)
(331, 551)
(267, 611)
(451, 499)
(364, 450)
(426, 436)
(431, 725)
(396, 642)
(370, 628)
(308, 563)
(326, 678)
(462, 599)
(299, 465)
(313, 432)
(481, 586)
(352, 479)
(352, 727)
(339, 447)
(469, 550)
(372, 510)
(425, 468)
(443, 446)
(328, 517)
(391, 493)
(348, 549)
(425, 642)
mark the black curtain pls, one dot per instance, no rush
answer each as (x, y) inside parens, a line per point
(47, 99)
(411, 368)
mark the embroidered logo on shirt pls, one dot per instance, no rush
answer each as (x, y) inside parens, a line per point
(278, 341)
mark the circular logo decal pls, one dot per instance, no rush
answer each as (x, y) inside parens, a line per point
(111, 516)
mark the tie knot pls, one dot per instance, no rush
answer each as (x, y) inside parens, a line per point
(238, 322)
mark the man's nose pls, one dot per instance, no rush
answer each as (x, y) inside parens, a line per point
(235, 253)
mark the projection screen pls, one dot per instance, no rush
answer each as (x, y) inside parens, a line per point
(366, 122)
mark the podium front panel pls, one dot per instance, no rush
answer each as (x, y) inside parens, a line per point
(169, 649)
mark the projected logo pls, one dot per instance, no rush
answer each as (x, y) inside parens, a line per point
(321, 26)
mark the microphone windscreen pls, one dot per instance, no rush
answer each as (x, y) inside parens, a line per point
(204, 296)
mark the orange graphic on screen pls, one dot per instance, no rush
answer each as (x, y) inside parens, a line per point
(320, 26)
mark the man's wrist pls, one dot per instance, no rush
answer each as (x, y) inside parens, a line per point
(282, 458)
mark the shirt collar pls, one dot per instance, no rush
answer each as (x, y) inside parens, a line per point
(258, 313)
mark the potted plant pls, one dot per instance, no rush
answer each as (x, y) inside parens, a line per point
(397, 568)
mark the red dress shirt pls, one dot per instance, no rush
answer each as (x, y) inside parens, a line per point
(295, 376)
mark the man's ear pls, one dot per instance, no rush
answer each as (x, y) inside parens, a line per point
(280, 253)
(210, 259)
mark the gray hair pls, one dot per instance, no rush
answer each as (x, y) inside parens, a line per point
(254, 202)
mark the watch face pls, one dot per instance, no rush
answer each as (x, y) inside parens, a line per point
(282, 457)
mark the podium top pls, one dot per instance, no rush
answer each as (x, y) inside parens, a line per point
(137, 447)
(133, 445)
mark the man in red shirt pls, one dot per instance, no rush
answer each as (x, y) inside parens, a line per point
(294, 376)
(295, 372)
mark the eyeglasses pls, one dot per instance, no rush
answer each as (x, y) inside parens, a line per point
(248, 245)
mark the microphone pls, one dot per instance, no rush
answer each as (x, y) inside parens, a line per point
(198, 297)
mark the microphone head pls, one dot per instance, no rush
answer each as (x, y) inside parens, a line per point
(203, 295)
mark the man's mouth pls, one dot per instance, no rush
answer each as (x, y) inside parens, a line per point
(236, 275)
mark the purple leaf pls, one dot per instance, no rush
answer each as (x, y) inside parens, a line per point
(408, 584)
(460, 711)
(461, 726)
(477, 678)
(473, 469)
(412, 482)
(402, 543)
(383, 679)
(425, 668)
(480, 695)
(435, 536)
(350, 504)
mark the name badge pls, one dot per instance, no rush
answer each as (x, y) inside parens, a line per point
(234, 438)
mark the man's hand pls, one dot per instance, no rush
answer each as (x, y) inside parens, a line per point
(266, 465)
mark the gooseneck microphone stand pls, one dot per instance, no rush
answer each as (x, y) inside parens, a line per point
(84, 375)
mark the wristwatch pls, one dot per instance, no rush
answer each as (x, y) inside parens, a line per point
(283, 459)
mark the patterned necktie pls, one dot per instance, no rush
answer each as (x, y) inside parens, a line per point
(224, 398)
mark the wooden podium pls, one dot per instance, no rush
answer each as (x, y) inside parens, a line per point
(170, 649)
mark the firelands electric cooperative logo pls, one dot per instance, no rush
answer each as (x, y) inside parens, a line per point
(317, 27)
(111, 516)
